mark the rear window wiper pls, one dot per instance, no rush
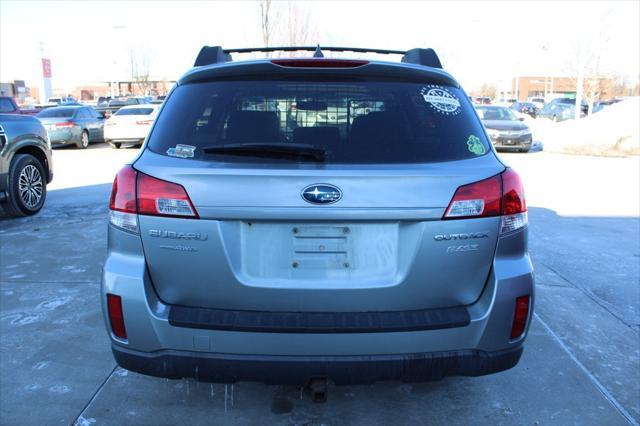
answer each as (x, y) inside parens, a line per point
(268, 149)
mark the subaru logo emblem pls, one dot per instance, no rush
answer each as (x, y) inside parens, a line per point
(321, 194)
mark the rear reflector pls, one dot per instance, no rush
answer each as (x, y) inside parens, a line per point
(319, 63)
(116, 316)
(161, 198)
(520, 317)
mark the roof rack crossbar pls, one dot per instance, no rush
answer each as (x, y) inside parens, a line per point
(217, 54)
(313, 49)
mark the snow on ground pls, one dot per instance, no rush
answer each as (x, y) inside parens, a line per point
(613, 131)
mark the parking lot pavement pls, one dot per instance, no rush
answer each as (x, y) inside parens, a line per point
(581, 364)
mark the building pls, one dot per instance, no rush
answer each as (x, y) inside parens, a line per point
(550, 87)
(89, 92)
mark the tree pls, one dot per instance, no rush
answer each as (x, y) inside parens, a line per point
(488, 91)
(585, 63)
(140, 65)
(269, 17)
(287, 24)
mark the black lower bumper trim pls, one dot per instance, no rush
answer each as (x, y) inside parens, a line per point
(318, 322)
(298, 370)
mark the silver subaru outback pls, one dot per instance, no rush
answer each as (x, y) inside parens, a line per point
(317, 218)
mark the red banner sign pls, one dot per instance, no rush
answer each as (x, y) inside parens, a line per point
(46, 68)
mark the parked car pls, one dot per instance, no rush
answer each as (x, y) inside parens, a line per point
(600, 105)
(9, 106)
(505, 129)
(121, 101)
(538, 102)
(525, 108)
(482, 101)
(558, 111)
(65, 100)
(570, 101)
(130, 125)
(244, 250)
(507, 102)
(103, 101)
(25, 164)
(75, 124)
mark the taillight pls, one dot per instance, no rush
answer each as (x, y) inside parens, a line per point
(479, 199)
(65, 124)
(123, 192)
(319, 63)
(520, 316)
(500, 195)
(514, 206)
(135, 193)
(161, 198)
(122, 204)
(144, 122)
(116, 316)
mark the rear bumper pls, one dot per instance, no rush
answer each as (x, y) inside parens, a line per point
(228, 346)
(298, 370)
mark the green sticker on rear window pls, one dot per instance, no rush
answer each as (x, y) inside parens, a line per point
(475, 145)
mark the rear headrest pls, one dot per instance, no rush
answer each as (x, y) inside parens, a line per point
(323, 135)
(253, 126)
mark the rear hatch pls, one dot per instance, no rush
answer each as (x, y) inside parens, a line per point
(334, 214)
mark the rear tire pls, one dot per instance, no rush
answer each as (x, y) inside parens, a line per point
(27, 188)
(84, 140)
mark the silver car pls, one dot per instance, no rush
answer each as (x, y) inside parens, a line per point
(388, 246)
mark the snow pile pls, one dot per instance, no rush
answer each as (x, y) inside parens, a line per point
(612, 131)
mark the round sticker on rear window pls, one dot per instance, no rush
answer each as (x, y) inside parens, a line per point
(441, 100)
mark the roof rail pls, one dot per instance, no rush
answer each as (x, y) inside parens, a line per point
(216, 54)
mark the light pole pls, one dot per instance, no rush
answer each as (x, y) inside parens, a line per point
(116, 62)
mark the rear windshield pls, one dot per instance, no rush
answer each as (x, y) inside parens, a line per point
(352, 122)
(495, 113)
(134, 111)
(56, 112)
(123, 102)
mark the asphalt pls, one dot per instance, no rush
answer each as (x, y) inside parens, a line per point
(581, 364)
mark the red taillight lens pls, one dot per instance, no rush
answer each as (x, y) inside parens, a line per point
(500, 195)
(512, 193)
(319, 63)
(520, 316)
(479, 199)
(122, 204)
(65, 124)
(123, 192)
(116, 316)
(161, 198)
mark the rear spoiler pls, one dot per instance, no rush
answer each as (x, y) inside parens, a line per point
(216, 54)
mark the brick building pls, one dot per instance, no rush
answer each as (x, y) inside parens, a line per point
(122, 88)
(551, 87)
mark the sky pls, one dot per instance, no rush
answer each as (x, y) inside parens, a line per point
(478, 42)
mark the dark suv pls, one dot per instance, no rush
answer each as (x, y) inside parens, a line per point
(25, 164)
(369, 233)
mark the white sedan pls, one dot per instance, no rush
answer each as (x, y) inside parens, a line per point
(130, 125)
